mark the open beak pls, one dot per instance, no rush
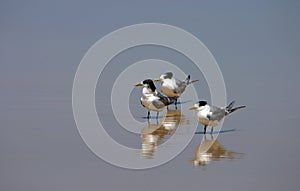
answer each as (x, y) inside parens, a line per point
(192, 108)
(157, 79)
(138, 84)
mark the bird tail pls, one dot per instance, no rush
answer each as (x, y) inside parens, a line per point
(230, 108)
(188, 80)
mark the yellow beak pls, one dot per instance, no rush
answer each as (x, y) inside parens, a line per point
(192, 108)
(138, 84)
(157, 79)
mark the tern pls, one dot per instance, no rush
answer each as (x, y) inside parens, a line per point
(173, 87)
(152, 99)
(212, 115)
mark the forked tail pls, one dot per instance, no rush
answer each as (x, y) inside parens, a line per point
(188, 80)
(230, 108)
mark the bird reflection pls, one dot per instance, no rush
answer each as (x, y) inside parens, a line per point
(211, 150)
(153, 134)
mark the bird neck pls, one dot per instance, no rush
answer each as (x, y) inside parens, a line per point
(204, 108)
(169, 82)
(147, 90)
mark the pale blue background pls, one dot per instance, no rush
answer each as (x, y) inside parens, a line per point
(256, 44)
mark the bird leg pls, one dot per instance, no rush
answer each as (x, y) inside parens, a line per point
(167, 107)
(157, 115)
(148, 115)
(176, 104)
(205, 129)
(212, 130)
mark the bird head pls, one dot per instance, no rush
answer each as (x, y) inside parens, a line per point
(198, 105)
(167, 75)
(148, 83)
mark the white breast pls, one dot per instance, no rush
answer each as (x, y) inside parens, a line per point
(202, 117)
(168, 86)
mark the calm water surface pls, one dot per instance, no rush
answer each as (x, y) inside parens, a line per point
(256, 44)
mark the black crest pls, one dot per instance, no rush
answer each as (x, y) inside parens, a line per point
(150, 83)
(202, 103)
(168, 75)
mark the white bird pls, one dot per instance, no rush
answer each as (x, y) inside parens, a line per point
(152, 99)
(173, 87)
(212, 115)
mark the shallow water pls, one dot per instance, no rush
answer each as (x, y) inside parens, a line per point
(40, 141)
(255, 43)
(205, 152)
